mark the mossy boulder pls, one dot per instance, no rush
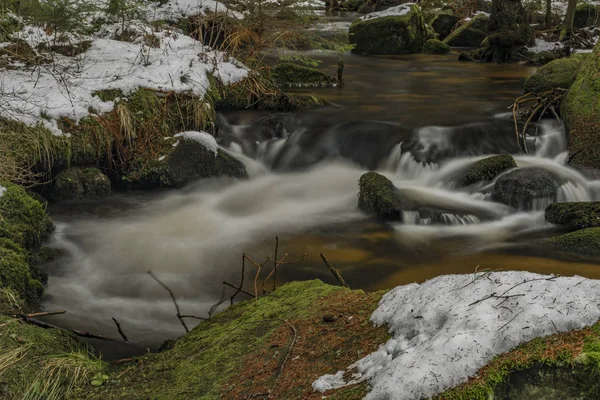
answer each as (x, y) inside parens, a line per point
(586, 14)
(524, 188)
(378, 196)
(470, 34)
(397, 30)
(580, 111)
(574, 215)
(487, 169)
(80, 184)
(443, 23)
(294, 75)
(584, 241)
(434, 46)
(557, 74)
(191, 161)
(543, 57)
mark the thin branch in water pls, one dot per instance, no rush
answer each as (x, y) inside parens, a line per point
(334, 271)
(172, 298)
(125, 339)
(239, 288)
(85, 334)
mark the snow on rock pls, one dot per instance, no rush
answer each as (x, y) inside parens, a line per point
(204, 138)
(449, 327)
(542, 45)
(176, 9)
(390, 12)
(66, 88)
(2, 190)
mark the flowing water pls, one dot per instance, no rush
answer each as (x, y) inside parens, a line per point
(420, 120)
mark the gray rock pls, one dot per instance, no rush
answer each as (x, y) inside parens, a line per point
(525, 188)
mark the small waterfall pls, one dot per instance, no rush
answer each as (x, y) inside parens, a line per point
(414, 218)
(405, 165)
(573, 192)
(451, 219)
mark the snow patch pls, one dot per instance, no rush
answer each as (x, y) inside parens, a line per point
(2, 190)
(449, 327)
(204, 138)
(397, 11)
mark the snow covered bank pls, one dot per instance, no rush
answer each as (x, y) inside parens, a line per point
(446, 329)
(397, 11)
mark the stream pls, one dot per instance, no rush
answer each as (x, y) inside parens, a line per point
(420, 120)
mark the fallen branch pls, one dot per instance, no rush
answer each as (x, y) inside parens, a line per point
(289, 351)
(38, 314)
(120, 330)
(84, 334)
(172, 298)
(239, 289)
(276, 265)
(231, 285)
(334, 272)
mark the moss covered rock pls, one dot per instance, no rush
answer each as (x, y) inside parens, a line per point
(584, 241)
(524, 187)
(470, 34)
(487, 169)
(443, 23)
(586, 14)
(378, 196)
(559, 74)
(191, 161)
(434, 46)
(398, 30)
(575, 215)
(580, 111)
(294, 75)
(80, 184)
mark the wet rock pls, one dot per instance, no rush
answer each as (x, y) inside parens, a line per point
(378, 196)
(574, 215)
(584, 241)
(559, 73)
(471, 34)
(397, 30)
(434, 46)
(581, 113)
(191, 161)
(294, 75)
(80, 184)
(525, 188)
(443, 23)
(487, 169)
(269, 127)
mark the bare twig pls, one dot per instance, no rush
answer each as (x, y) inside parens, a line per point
(276, 264)
(38, 314)
(511, 320)
(85, 334)
(289, 351)
(125, 339)
(172, 298)
(239, 290)
(334, 272)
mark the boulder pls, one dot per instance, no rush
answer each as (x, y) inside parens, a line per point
(470, 34)
(586, 15)
(526, 188)
(294, 75)
(397, 30)
(574, 215)
(80, 184)
(191, 160)
(580, 111)
(584, 241)
(434, 46)
(442, 24)
(559, 74)
(487, 169)
(378, 196)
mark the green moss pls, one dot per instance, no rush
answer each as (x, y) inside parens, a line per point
(559, 73)
(91, 143)
(543, 57)
(80, 184)
(584, 241)
(378, 196)
(585, 15)
(575, 215)
(403, 34)
(434, 46)
(16, 275)
(290, 75)
(581, 113)
(199, 363)
(488, 168)
(470, 34)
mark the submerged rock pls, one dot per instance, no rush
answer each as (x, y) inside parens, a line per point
(397, 30)
(487, 169)
(574, 215)
(584, 241)
(80, 184)
(191, 161)
(559, 74)
(434, 46)
(443, 23)
(294, 75)
(471, 34)
(581, 113)
(526, 188)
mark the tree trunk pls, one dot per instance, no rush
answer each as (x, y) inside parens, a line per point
(548, 13)
(567, 26)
